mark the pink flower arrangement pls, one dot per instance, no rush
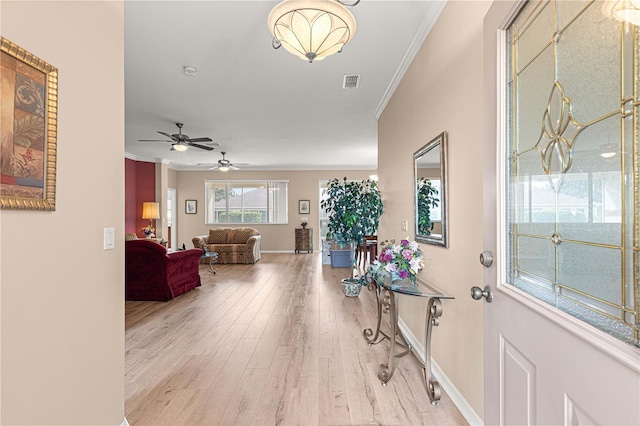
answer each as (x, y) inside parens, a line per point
(400, 261)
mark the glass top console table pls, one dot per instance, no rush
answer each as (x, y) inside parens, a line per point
(212, 257)
(386, 291)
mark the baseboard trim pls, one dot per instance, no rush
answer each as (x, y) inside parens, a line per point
(418, 348)
(277, 251)
(124, 422)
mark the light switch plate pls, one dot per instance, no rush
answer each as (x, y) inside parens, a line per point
(109, 237)
(405, 225)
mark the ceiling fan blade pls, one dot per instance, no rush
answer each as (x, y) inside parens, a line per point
(167, 135)
(213, 168)
(232, 167)
(207, 148)
(240, 164)
(200, 140)
(153, 140)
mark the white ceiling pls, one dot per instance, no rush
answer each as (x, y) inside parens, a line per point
(265, 107)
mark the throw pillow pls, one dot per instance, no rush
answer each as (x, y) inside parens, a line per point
(217, 236)
(242, 235)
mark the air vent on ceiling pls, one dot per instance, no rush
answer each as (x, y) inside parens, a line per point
(351, 81)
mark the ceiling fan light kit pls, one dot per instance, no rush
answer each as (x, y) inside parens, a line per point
(181, 142)
(225, 165)
(311, 29)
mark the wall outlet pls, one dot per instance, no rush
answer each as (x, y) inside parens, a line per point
(405, 225)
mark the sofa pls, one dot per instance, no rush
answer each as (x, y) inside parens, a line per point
(233, 245)
(151, 273)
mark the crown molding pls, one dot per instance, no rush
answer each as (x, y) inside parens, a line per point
(144, 159)
(421, 35)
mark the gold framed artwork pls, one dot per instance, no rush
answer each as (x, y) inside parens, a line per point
(28, 129)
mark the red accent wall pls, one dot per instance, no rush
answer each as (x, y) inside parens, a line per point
(140, 186)
(130, 196)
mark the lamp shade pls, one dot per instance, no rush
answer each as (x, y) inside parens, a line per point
(150, 210)
(312, 29)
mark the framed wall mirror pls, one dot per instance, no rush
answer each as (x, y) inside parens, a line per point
(430, 189)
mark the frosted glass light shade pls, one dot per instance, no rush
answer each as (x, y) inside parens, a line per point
(179, 147)
(150, 210)
(312, 29)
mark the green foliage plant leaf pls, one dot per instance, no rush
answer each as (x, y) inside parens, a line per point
(427, 198)
(353, 209)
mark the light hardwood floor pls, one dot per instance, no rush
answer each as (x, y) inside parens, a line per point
(273, 343)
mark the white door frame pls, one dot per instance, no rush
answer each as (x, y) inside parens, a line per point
(172, 195)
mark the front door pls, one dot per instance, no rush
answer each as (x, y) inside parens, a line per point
(561, 215)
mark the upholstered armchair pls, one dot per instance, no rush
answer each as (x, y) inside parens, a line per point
(153, 274)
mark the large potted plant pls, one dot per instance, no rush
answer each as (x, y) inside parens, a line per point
(353, 210)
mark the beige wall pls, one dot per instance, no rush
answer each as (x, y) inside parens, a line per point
(162, 197)
(62, 311)
(303, 185)
(172, 179)
(442, 90)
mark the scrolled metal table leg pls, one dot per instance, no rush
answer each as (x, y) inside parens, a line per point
(211, 268)
(434, 311)
(386, 370)
(367, 332)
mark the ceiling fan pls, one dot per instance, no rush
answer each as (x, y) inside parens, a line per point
(180, 142)
(224, 164)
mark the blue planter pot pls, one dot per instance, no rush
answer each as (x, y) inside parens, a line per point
(341, 258)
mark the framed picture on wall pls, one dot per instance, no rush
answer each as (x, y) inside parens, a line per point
(190, 206)
(29, 98)
(303, 207)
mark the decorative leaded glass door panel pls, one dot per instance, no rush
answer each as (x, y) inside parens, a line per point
(571, 188)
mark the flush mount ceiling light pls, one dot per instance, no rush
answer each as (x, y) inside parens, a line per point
(312, 29)
(608, 150)
(623, 10)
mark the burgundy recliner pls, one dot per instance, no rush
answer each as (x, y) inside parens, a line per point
(153, 274)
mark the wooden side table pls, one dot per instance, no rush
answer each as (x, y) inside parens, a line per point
(304, 240)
